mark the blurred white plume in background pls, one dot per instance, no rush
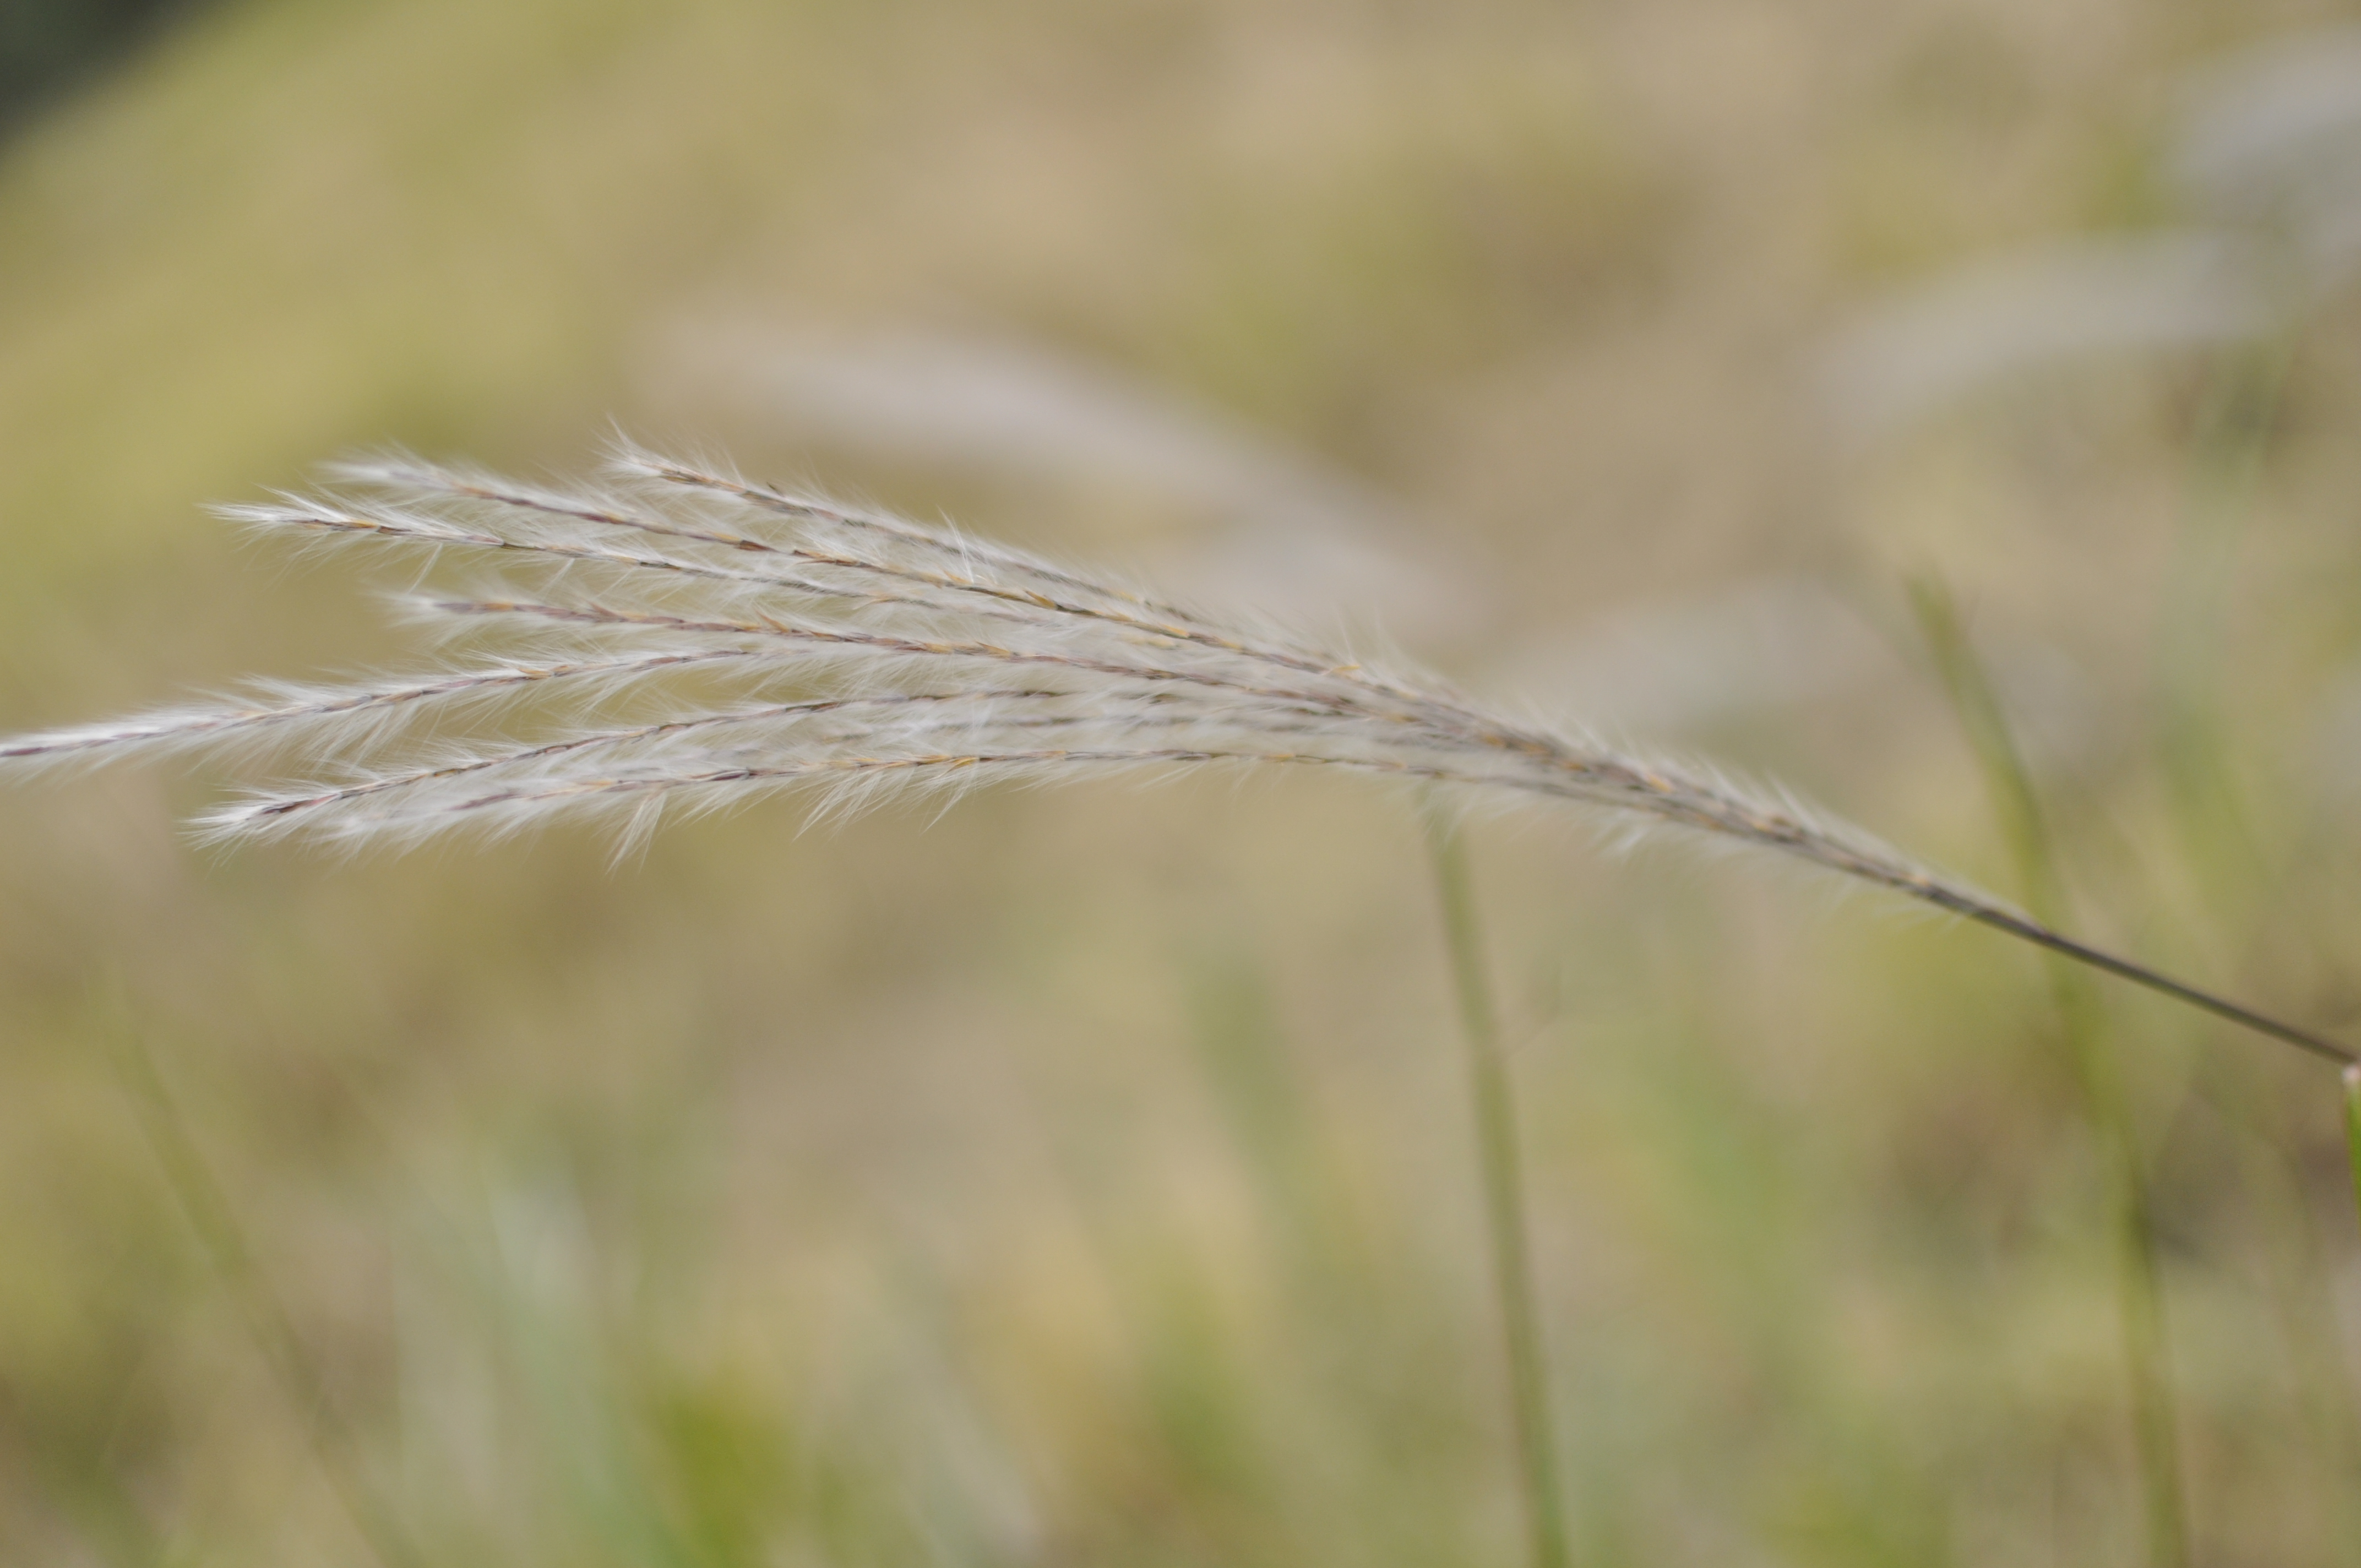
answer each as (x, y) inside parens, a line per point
(2263, 158)
(1296, 537)
(1292, 536)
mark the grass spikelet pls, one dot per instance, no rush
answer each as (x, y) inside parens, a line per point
(877, 657)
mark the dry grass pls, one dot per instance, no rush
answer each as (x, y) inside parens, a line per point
(1065, 1180)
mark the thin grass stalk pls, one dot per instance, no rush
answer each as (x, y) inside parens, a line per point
(1493, 1097)
(2083, 1020)
(2246, 389)
(2242, 398)
(2322, 1371)
(2352, 1124)
(212, 1218)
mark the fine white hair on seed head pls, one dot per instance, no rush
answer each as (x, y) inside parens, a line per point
(680, 641)
(846, 654)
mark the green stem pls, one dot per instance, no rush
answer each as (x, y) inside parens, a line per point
(1504, 1194)
(2243, 393)
(2353, 1123)
(2140, 1294)
(223, 1240)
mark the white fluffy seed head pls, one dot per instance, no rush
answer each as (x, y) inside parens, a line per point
(681, 641)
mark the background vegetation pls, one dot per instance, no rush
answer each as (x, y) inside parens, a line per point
(1084, 1177)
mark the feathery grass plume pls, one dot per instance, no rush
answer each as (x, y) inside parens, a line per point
(875, 656)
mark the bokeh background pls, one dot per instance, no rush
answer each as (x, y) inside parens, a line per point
(1085, 1177)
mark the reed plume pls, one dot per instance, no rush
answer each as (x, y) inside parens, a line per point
(860, 655)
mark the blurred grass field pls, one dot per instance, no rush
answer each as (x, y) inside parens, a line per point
(1084, 1177)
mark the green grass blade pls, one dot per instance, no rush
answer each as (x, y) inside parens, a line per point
(1504, 1193)
(2352, 1124)
(222, 1236)
(2236, 419)
(2140, 1298)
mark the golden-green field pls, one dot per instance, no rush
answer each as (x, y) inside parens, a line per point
(1085, 1176)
